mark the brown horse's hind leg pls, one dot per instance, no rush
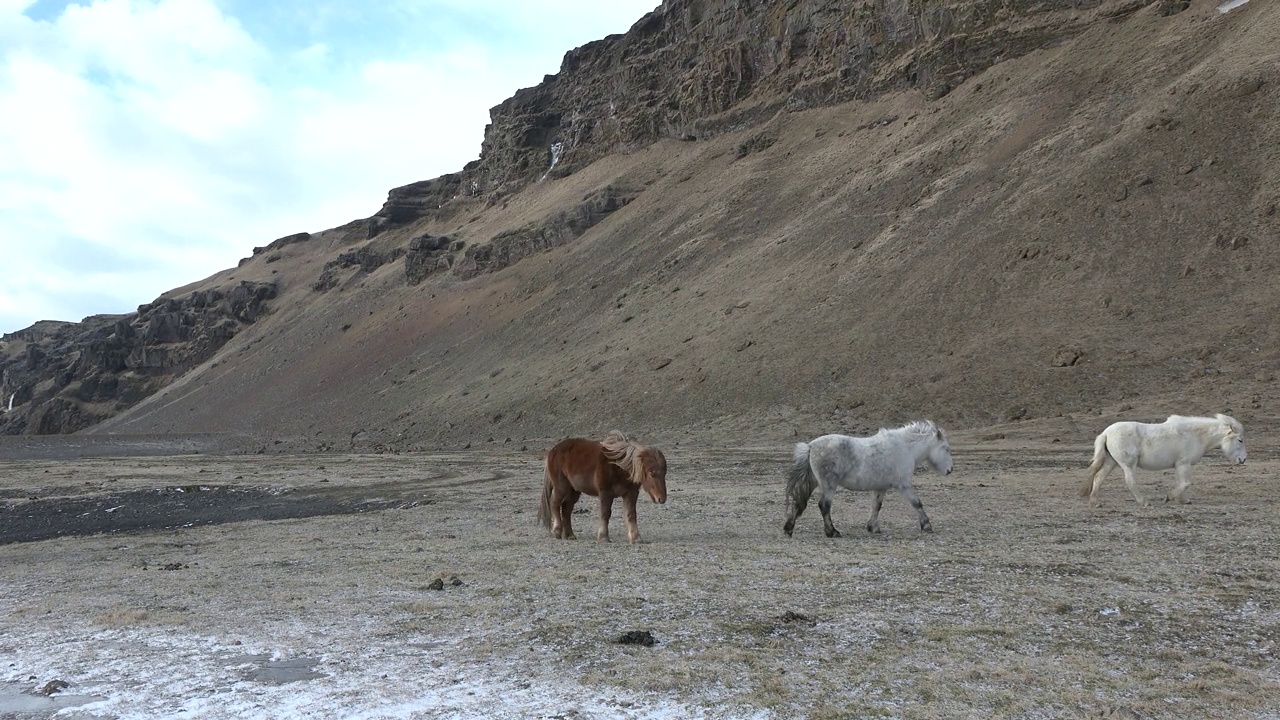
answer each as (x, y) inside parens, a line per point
(565, 510)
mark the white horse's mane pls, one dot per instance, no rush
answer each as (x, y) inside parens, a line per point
(1227, 420)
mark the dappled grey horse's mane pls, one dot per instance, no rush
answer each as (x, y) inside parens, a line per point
(624, 453)
(915, 429)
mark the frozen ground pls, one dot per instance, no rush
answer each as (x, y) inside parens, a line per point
(1023, 603)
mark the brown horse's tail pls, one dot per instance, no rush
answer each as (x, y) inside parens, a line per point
(544, 503)
(1100, 455)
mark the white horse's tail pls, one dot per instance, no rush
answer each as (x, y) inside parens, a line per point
(1100, 455)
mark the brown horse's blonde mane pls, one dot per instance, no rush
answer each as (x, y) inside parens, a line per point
(625, 454)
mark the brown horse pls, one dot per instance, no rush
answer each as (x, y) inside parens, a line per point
(613, 467)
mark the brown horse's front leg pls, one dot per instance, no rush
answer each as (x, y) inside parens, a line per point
(629, 503)
(606, 509)
(565, 511)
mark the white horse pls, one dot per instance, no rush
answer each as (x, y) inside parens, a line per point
(1175, 443)
(885, 461)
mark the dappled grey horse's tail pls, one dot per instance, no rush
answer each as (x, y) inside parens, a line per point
(801, 482)
(800, 485)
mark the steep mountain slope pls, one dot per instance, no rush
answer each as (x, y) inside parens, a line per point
(1009, 213)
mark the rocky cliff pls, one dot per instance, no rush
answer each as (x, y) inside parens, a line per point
(692, 69)
(59, 378)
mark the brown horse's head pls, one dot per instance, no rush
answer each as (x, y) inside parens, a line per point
(653, 473)
(646, 466)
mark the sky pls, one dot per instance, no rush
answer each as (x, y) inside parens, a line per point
(147, 144)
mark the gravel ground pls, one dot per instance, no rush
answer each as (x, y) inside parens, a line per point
(1024, 603)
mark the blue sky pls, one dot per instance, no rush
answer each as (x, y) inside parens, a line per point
(145, 144)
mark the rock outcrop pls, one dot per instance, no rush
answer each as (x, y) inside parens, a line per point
(64, 377)
(559, 228)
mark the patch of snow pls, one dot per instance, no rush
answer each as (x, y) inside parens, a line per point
(148, 672)
(1230, 5)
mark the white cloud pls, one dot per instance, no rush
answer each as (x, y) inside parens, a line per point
(145, 144)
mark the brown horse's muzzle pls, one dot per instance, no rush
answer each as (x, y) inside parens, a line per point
(660, 496)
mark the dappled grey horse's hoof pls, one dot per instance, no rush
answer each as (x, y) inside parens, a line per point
(873, 528)
(834, 533)
(926, 527)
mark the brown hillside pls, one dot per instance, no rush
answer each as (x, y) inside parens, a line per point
(1090, 226)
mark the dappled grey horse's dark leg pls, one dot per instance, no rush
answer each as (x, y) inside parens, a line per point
(910, 495)
(877, 499)
(824, 504)
(796, 503)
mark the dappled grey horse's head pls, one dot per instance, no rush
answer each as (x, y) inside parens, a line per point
(939, 448)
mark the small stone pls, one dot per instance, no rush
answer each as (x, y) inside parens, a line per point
(53, 686)
(1067, 356)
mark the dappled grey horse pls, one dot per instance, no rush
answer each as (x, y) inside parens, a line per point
(885, 461)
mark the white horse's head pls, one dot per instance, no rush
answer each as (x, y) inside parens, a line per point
(940, 451)
(1232, 439)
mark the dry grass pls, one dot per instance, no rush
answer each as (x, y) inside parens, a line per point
(1024, 604)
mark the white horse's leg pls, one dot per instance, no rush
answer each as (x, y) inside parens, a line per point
(1107, 466)
(1131, 484)
(1183, 470)
(824, 505)
(910, 494)
(877, 498)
